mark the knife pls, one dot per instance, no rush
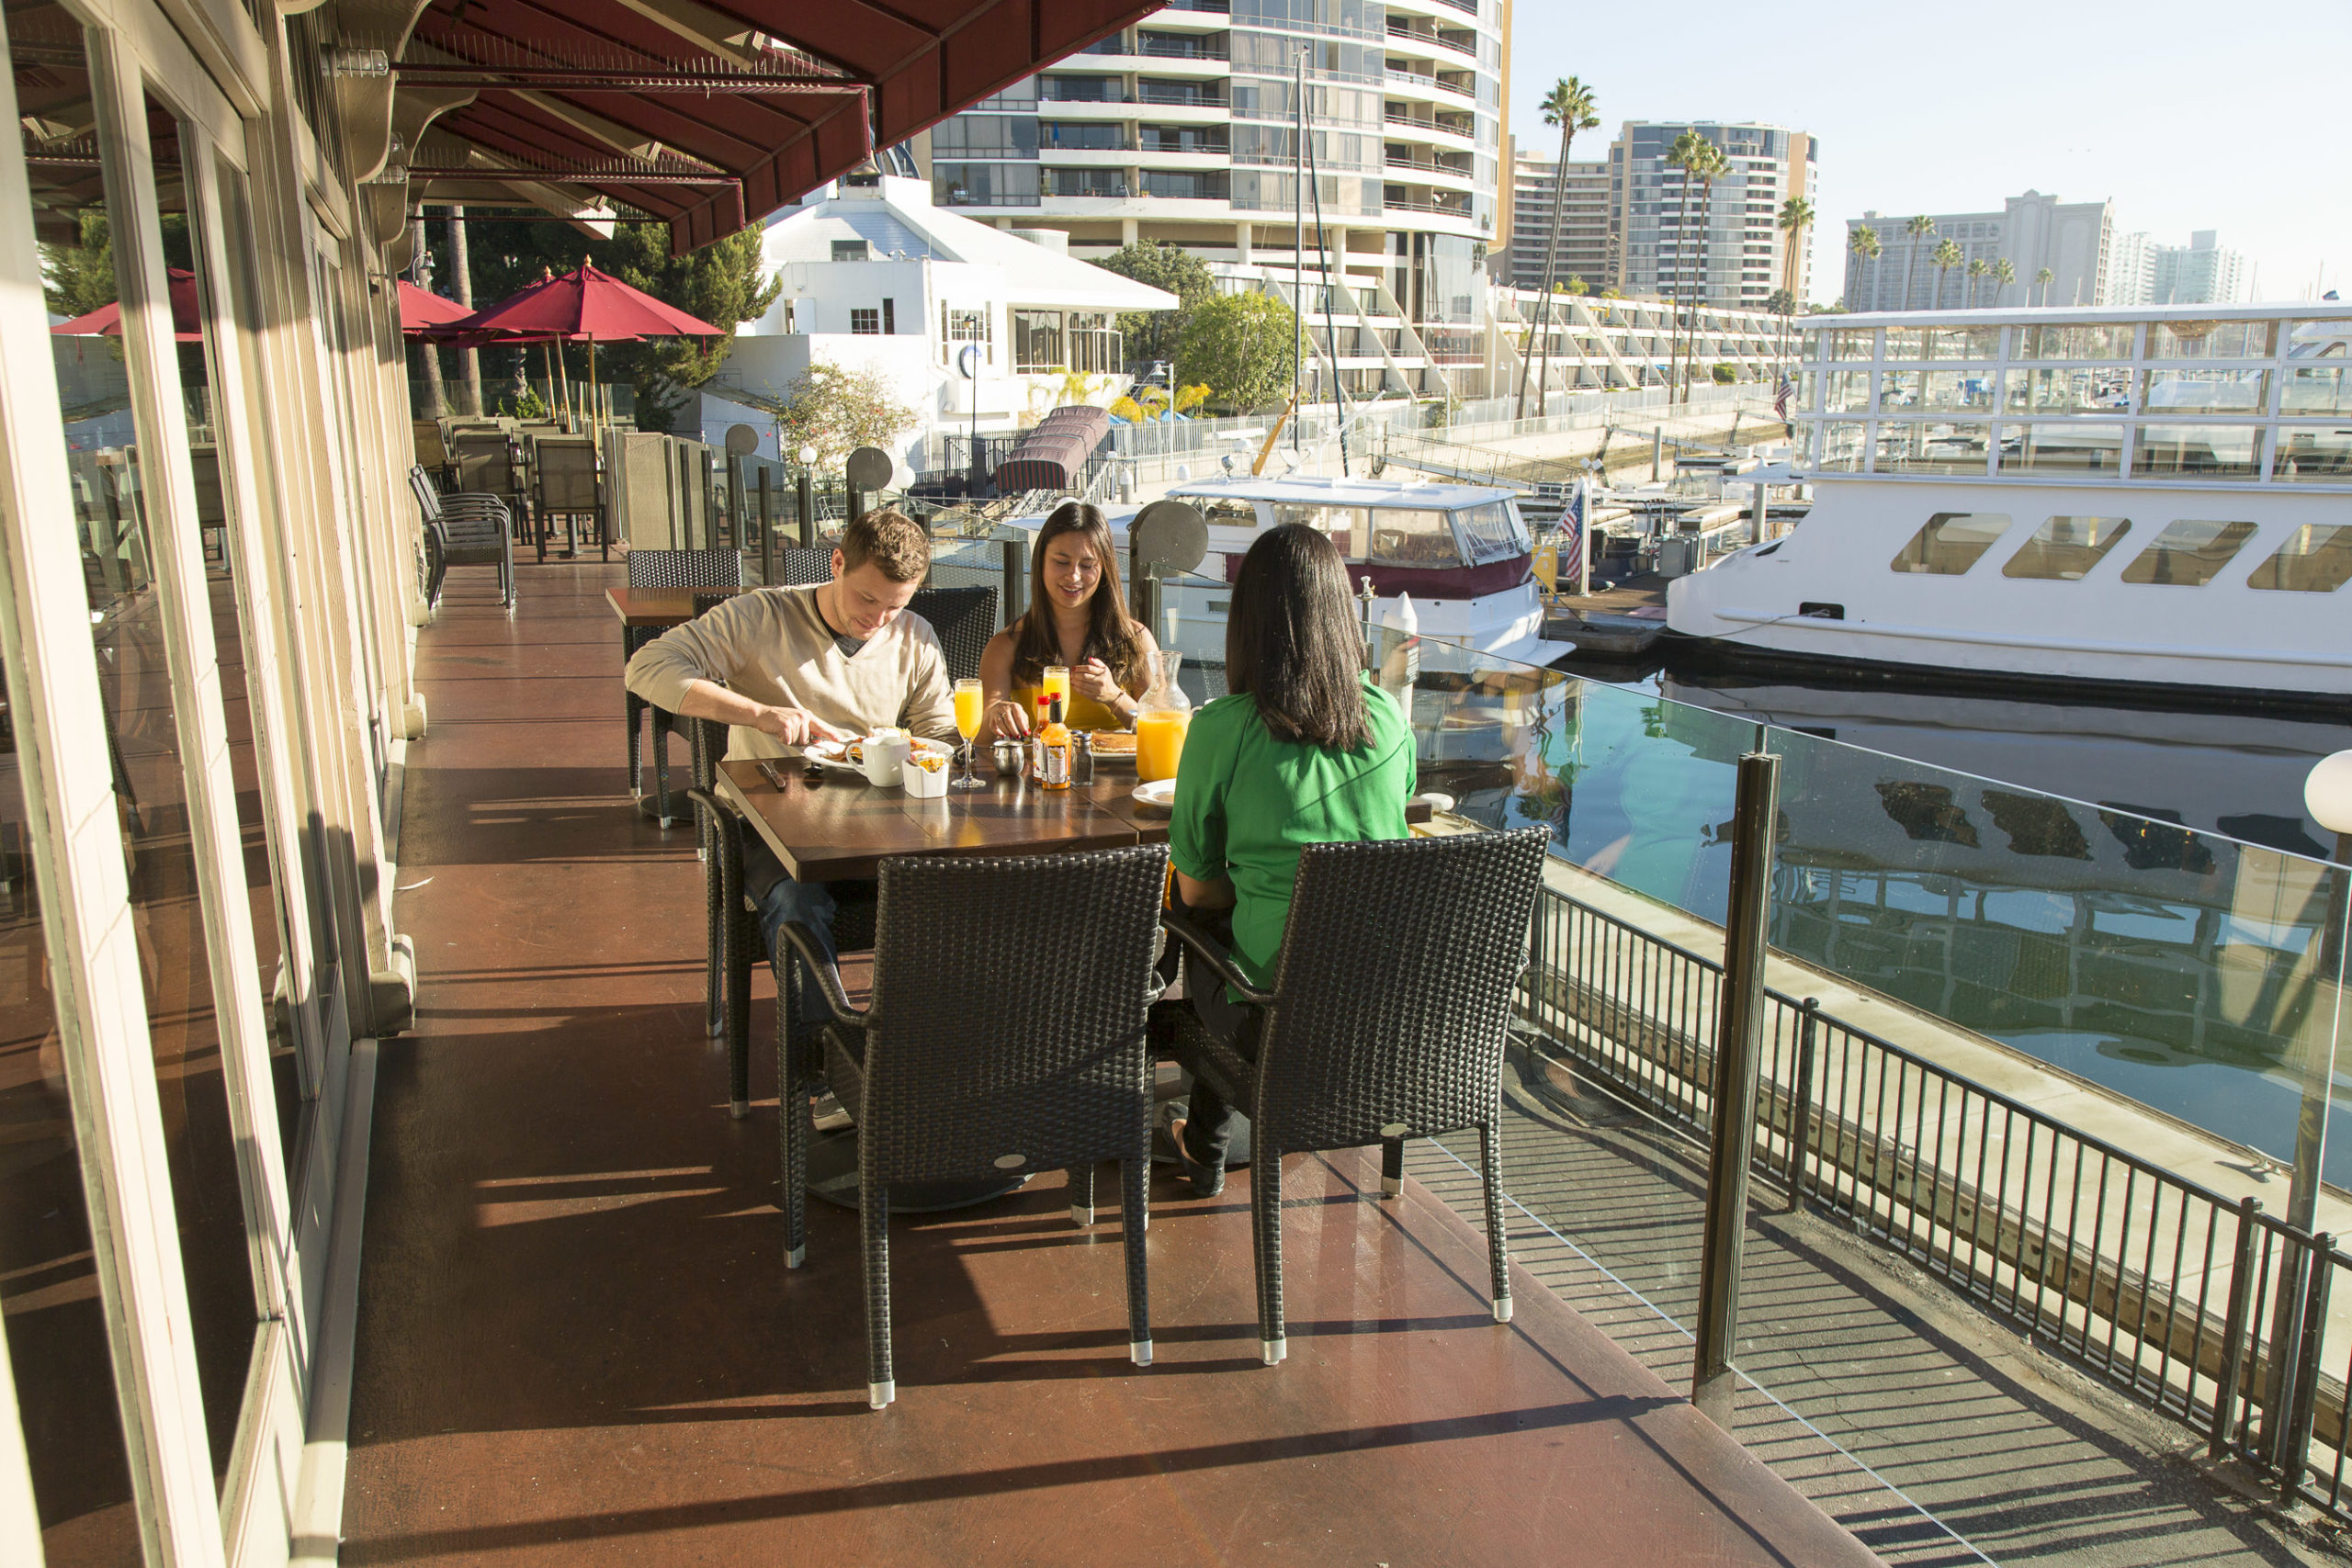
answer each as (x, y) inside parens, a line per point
(767, 771)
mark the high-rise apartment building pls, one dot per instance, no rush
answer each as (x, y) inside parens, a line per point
(2033, 232)
(2199, 273)
(1679, 241)
(1182, 129)
(1585, 248)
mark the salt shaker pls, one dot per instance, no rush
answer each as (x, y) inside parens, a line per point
(1082, 759)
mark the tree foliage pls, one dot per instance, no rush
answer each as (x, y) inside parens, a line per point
(837, 409)
(1241, 345)
(1151, 334)
(724, 283)
(79, 277)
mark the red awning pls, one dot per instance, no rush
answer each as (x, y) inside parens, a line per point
(709, 133)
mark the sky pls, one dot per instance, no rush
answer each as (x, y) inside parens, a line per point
(2188, 115)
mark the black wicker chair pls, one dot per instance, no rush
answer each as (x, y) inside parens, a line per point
(1387, 1019)
(965, 618)
(962, 1075)
(667, 569)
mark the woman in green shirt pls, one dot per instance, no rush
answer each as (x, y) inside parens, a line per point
(1304, 751)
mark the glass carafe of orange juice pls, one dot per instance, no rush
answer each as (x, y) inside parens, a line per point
(1162, 715)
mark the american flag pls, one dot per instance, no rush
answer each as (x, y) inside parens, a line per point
(1780, 399)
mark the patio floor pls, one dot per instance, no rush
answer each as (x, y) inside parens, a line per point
(577, 1342)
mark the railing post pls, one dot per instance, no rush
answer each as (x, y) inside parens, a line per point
(1016, 576)
(2233, 1329)
(1739, 1023)
(807, 499)
(1801, 1101)
(2295, 1434)
(767, 533)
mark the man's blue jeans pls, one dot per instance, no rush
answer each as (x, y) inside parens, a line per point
(779, 899)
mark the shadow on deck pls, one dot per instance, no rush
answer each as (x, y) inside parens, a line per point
(577, 1342)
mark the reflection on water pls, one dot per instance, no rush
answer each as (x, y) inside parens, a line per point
(2148, 933)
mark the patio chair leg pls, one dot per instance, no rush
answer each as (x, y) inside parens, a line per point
(1392, 1167)
(635, 708)
(873, 1215)
(719, 956)
(661, 734)
(740, 959)
(1490, 1149)
(1266, 1225)
(1081, 1195)
(791, 1116)
(1135, 1213)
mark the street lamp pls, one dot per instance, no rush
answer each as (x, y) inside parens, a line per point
(2327, 795)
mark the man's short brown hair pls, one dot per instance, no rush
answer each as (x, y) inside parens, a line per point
(891, 540)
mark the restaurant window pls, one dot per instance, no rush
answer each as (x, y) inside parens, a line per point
(1037, 341)
(2070, 447)
(2189, 553)
(1094, 343)
(2066, 548)
(2314, 456)
(2071, 389)
(1411, 538)
(2210, 340)
(2316, 558)
(2219, 391)
(1952, 543)
(2198, 451)
(1933, 447)
(2324, 390)
(866, 323)
(2113, 341)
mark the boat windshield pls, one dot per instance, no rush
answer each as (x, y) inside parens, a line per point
(1344, 524)
(1222, 511)
(1491, 532)
(1401, 537)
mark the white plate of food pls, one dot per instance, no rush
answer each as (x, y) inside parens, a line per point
(851, 754)
(1159, 794)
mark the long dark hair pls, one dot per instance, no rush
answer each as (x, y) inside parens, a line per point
(1110, 630)
(1292, 641)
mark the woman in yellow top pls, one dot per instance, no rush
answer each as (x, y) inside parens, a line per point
(1077, 618)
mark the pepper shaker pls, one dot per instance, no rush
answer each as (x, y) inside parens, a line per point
(1082, 760)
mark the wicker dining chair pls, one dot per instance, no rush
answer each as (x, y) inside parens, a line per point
(1006, 1032)
(1387, 1019)
(667, 569)
(964, 619)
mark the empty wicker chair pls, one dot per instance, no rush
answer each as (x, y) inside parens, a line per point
(1040, 1066)
(1387, 1019)
(964, 619)
(667, 569)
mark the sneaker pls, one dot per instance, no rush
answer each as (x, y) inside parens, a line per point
(826, 1112)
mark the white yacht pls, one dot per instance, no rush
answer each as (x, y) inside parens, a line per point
(2133, 498)
(1461, 550)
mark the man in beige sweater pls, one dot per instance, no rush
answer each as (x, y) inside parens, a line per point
(785, 666)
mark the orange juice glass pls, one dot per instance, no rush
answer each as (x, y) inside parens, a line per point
(968, 707)
(1160, 742)
(1055, 683)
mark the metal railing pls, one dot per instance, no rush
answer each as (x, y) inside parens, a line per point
(2203, 1308)
(1398, 29)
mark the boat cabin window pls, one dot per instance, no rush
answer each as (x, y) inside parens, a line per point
(2316, 558)
(1400, 538)
(2207, 392)
(1491, 532)
(2198, 451)
(1343, 523)
(2322, 455)
(2066, 548)
(2321, 389)
(2320, 340)
(1952, 543)
(1222, 511)
(2189, 553)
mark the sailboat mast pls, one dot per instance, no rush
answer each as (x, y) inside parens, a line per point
(1297, 240)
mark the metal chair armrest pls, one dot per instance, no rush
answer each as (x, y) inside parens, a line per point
(828, 975)
(1214, 955)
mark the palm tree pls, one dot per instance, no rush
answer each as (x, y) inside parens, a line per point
(1862, 244)
(2044, 278)
(1918, 228)
(1797, 217)
(1701, 161)
(1568, 105)
(1946, 256)
(1978, 269)
(2003, 275)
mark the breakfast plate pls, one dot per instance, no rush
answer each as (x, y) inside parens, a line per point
(1158, 793)
(851, 754)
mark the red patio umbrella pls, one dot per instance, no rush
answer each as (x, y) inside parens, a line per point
(586, 305)
(107, 320)
(421, 308)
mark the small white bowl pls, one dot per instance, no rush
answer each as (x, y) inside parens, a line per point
(923, 783)
(1159, 794)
